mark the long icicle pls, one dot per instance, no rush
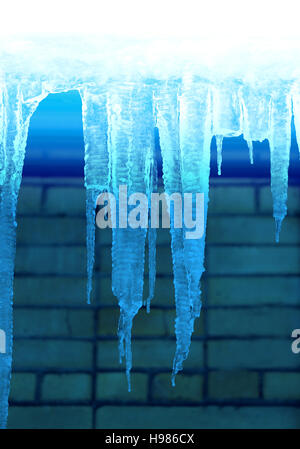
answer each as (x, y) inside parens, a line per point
(256, 105)
(167, 116)
(152, 234)
(17, 110)
(280, 144)
(195, 141)
(226, 114)
(97, 164)
(296, 112)
(219, 143)
(131, 142)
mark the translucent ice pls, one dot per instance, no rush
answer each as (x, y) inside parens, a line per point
(131, 144)
(18, 104)
(280, 142)
(97, 163)
(191, 89)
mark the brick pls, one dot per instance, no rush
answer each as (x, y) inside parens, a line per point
(253, 260)
(30, 198)
(263, 353)
(233, 385)
(143, 323)
(51, 260)
(40, 322)
(51, 322)
(45, 417)
(264, 321)
(164, 291)
(103, 260)
(188, 388)
(32, 290)
(80, 323)
(67, 387)
(47, 231)
(232, 200)
(164, 263)
(46, 354)
(103, 291)
(110, 417)
(103, 236)
(251, 230)
(253, 290)
(293, 203)
(65, 201)
(114, 387)
(283, 386)
(149, 354)
(22, 387)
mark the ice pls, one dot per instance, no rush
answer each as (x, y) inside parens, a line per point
(167, 116)
(18, 104)
(296, 112)
(280, 143)
(97, 164)
(153, 187)
(131, 145)
(227, 115)
(219, 143)
(191, 89)
(195, 140)
(267, 115)
(255, 103)
(186, 154)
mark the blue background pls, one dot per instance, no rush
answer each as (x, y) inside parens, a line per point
(55, 145)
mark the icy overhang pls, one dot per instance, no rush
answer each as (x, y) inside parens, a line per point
(191, 88)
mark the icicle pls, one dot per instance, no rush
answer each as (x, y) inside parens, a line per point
(250, 146)
(2, 135)
(227, 115)
(296, 112)
(131, 142)
(219, 142)
(167, 110)
(16, 113)
(245, 128)
(91, 198)
(152, 265)
(185, 151)
(97, 164)
(195, 140)
(268, 116)
(280, 143)
(151, 233)
(256, 114)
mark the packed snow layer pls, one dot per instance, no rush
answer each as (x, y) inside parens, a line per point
(191, 90)
(84, 58)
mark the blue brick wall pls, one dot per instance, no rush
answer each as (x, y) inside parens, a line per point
(241, 371)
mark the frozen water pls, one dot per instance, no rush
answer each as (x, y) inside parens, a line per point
(18, 103)
(192, 90)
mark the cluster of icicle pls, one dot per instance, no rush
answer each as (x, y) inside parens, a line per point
(119, 123)
(119, 118)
